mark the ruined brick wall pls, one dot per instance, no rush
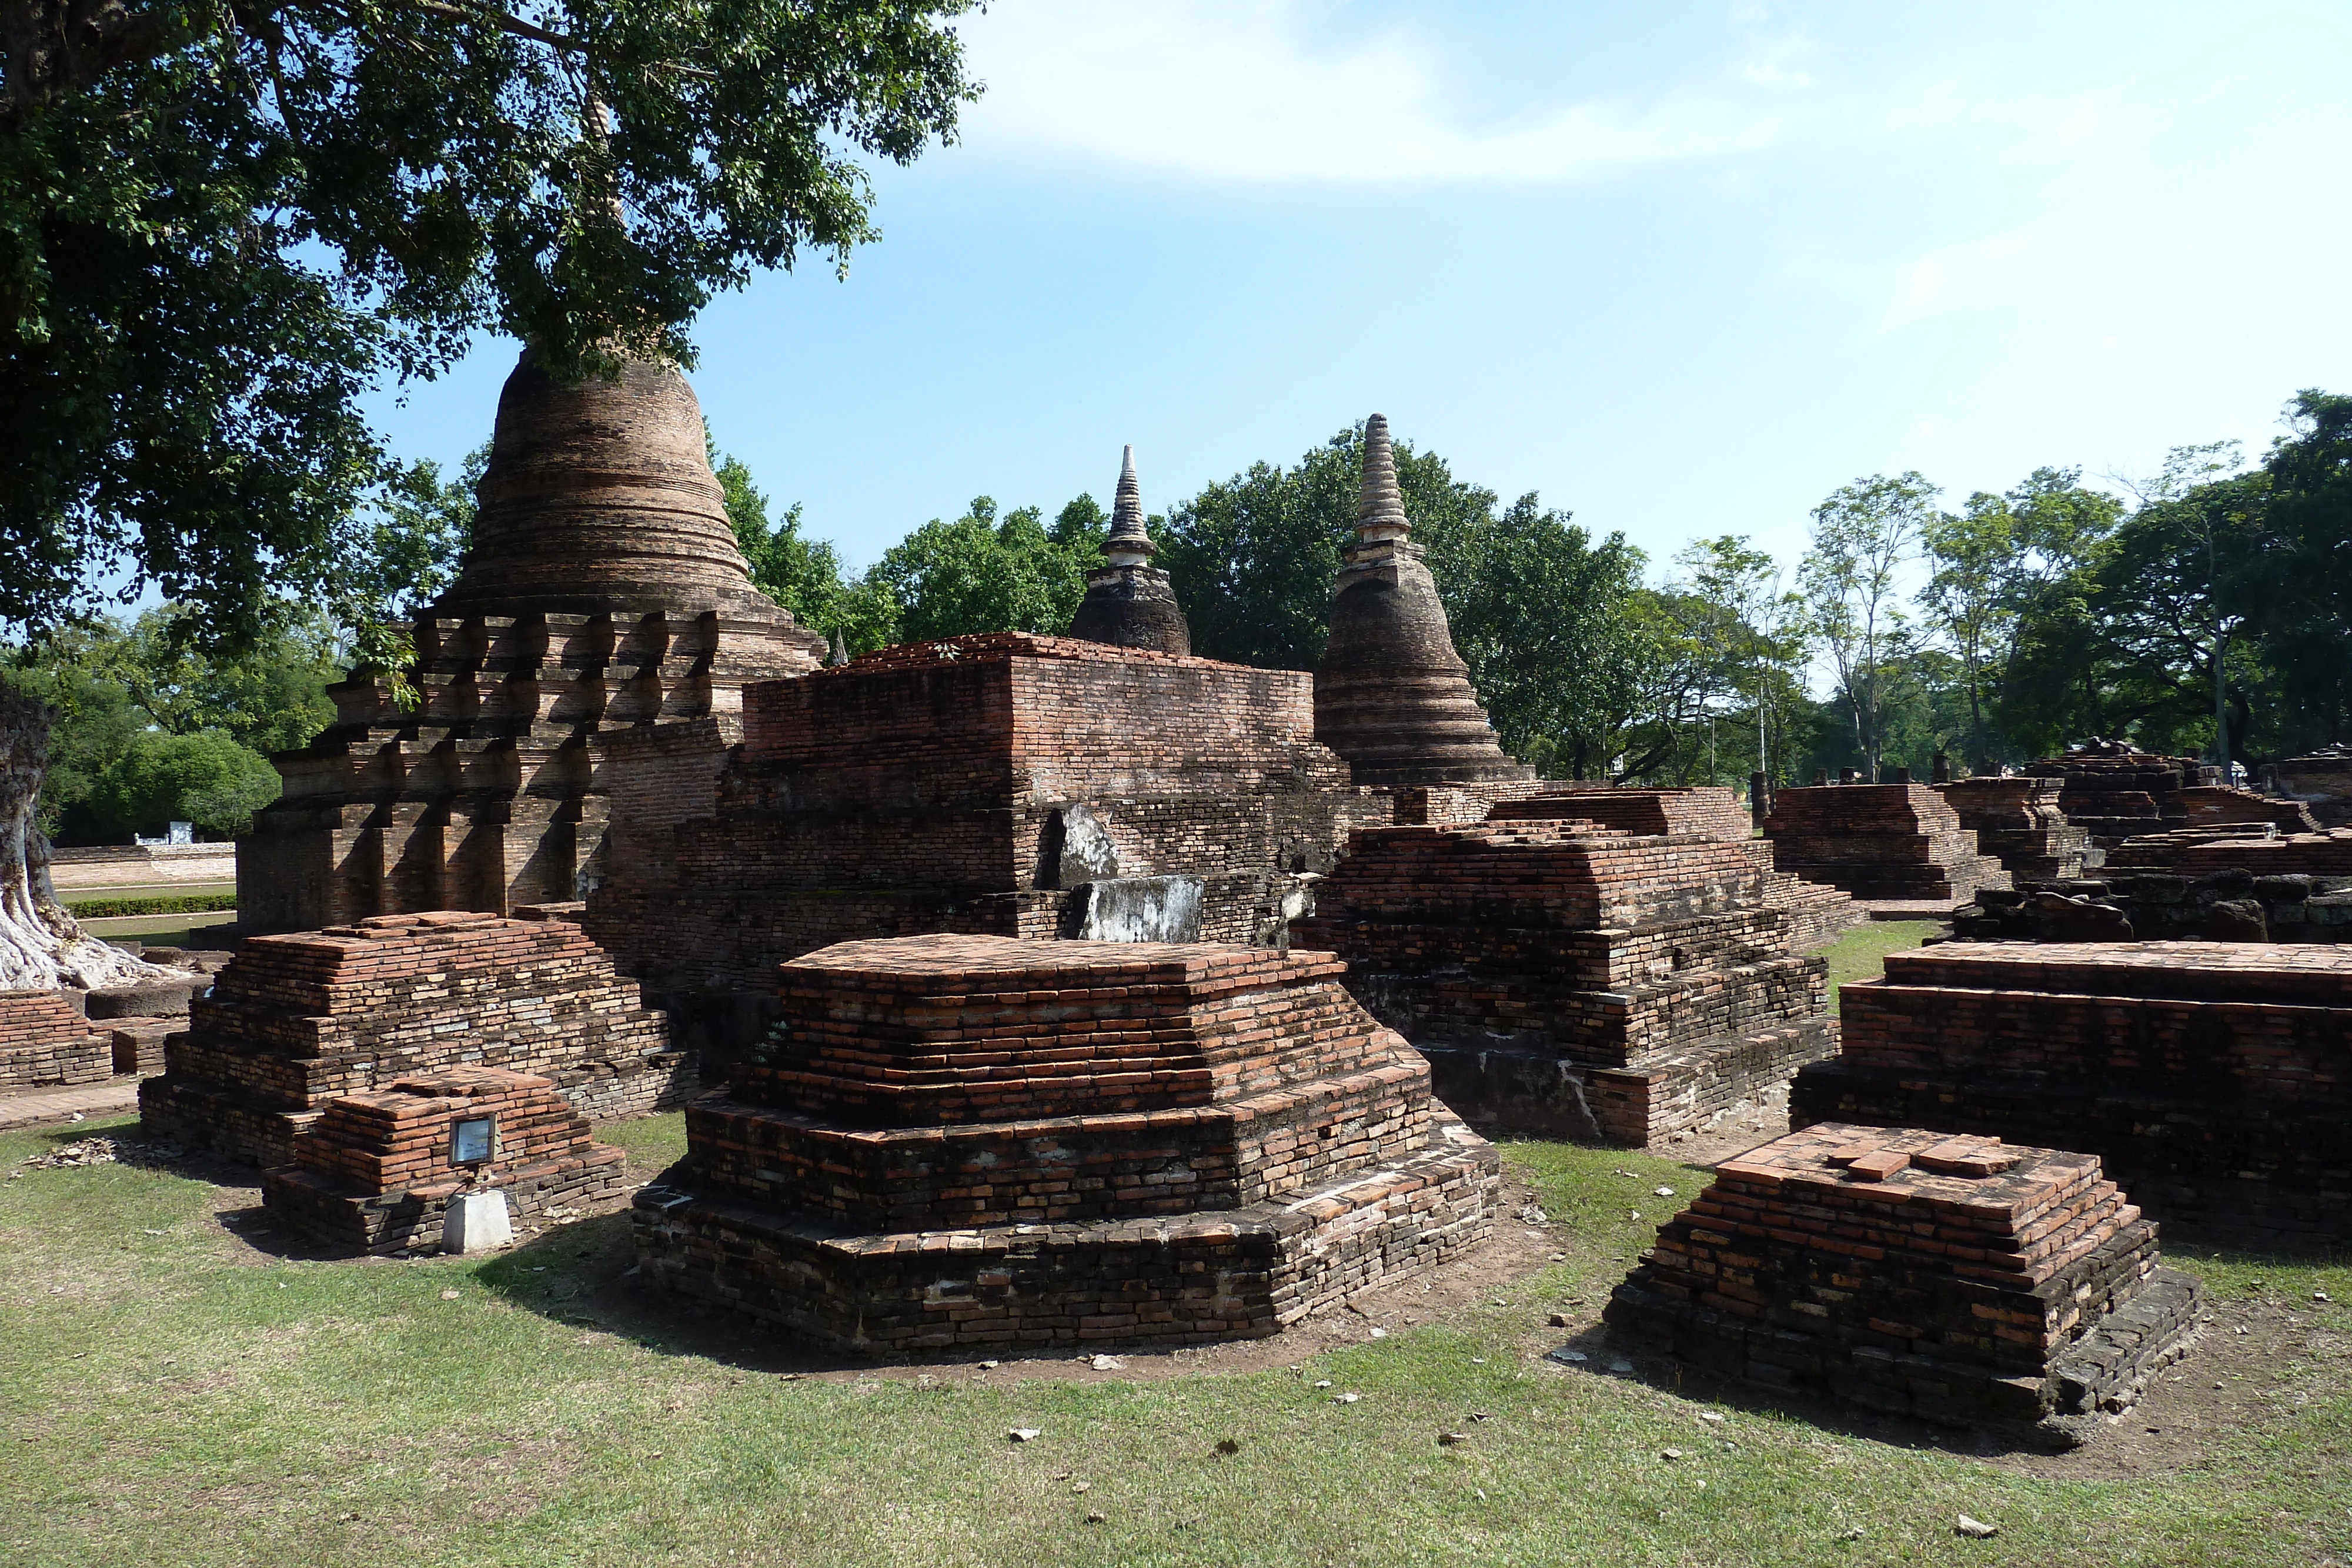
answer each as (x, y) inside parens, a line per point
(1878, 840)
(296, 1020)
(2214, 1079)
(376, 1171)
(1958, 1280)
(1573, 981)
(2246, 883)
(1062, 1135)
(45, 1043)
(2115, 794)
(2021, 822)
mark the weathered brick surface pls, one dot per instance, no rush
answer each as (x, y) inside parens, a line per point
(2114, 793)
(2214, 1079)
(1959, 1279)
(2240, 882)
(964, 1140)
(1569, 979)
(375, 1171)
(941, 787)
(297, 1020)
(45, 1043)
(2322, 783)
(2020, 821)
(1879, 840)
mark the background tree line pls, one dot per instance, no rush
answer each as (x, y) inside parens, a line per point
(2001, 630)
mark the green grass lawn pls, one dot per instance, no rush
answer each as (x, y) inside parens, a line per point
(1861, 954)
(175, 1395)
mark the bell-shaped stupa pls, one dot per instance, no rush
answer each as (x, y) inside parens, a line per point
(1129, 604)
(1392, 695)
(602, 590)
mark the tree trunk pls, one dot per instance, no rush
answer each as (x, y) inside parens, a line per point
(41, 945)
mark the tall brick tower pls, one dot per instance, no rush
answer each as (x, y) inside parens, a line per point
(1392, 695)
(1129, 604)
(602, 590)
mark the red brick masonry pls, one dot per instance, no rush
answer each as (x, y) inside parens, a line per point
(1959, 1279)
(1879, 840)
(375, 1171)
(976, 1140)
(45, 1043)
(2214, 1079)
(296, 1020)
(1568, 980)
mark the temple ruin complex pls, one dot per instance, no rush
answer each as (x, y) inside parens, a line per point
(602, 591)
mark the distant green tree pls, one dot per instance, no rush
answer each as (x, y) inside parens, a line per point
(981, 573)
(204, 778)
(802, 574)
(1863, 536)
(2302, 576)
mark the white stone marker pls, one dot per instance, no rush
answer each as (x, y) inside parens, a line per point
(477, 1222)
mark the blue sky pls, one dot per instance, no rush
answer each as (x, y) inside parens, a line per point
(1681, 269)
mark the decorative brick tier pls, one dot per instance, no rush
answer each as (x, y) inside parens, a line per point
(45, 1043)
(2214, 1079)
(295, 1022)
(1815, 910)
(958, 1141)
(1961, 1280)
(1007, 785)
(1391, 694)
(376, 1171)
(1879, 840)
(2322, 783)
(2113, 793)
(602, 590)
(1572, 981)
(2018, 822)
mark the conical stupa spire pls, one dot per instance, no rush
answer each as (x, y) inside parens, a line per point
(840, 654)
(1129, 604)
(1392, 695)
(1380, 504)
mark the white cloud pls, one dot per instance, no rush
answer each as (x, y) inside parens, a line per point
(1282, 91)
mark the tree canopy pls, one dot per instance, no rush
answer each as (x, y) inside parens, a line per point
(221, 223)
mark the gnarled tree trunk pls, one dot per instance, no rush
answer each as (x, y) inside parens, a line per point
(41, 945)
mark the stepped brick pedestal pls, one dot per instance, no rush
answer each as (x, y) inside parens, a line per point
(1391, 694)
(1895, 841)
(602, 591)
(2214, 1079)
(46, 1044)
(1815, 912)
(2018, 820)
(1961, 1281)
(2322, 783)
(2113, 793)
(1004, 785)
(959, 1141)
(376, 1172)
(1571, 981)
(295, 1022)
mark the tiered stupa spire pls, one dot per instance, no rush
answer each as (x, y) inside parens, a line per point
(1129, 604)
(1392, 695)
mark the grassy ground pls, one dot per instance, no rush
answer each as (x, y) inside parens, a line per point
(174, 1394)
(1861, 954)
(159, 930)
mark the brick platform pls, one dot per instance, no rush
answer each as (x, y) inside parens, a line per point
(2114, 793)
(1961, 1281)
(1571, 981)
(956, 1141)
(1879, 841)
(2322, 783)
(1815, 912)
(2244, 882)
(2214, 1079)
(1002, 785)
(376, 1171)
(45, 1043)
(296, 1020)
(2018, 822)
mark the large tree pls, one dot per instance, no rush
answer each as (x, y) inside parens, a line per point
(1863, 533)
(221, 223)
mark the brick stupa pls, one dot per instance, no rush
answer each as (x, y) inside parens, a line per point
(1392, 695)
(602, 590)
(2020, 822)
(1008, 785)
(296, 1020)
(1961, 1281)
(1891, 842)
(961, 1142)
(46, 1044)
(1568, 980)
(2114, 792)
(375, 1173)
(2214, 1078)
(1129, 602)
